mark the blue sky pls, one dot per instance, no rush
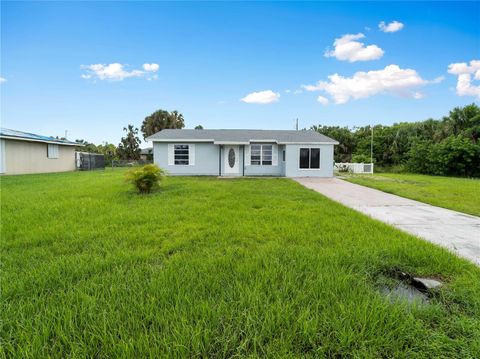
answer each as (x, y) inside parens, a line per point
(210, 56)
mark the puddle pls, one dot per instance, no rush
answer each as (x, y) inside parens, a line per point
(404, 292)
(397, 286)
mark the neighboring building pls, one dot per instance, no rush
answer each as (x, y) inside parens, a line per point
(146, 154)
(22, 152)
(244, 153)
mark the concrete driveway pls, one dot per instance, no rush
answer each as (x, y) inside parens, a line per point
(456, 231)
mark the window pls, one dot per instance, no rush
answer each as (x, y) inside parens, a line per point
(255, 154)
(267, 151)
(310, 158)
(261, 155)
(181, 154)
(52, 151)
(283, 156)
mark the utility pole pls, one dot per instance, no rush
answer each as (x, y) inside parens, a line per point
(371, 147)
(296, 124)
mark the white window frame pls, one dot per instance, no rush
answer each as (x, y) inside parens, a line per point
(309, 155)
(261, 145)
(174, 155)
(52, 151)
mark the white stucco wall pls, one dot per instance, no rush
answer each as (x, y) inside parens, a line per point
(292, 164)
(206, 160)
(209, 161)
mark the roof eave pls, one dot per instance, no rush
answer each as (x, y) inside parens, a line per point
(38, 140)
(178, 140)
(309, 143)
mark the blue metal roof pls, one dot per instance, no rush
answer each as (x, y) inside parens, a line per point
(7, 133)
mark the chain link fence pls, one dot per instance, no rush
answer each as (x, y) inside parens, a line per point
(130, 163)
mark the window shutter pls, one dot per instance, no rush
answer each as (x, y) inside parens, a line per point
(247, 155)
(52, 150)
(274, 155)
(171, 154)
(191, 155)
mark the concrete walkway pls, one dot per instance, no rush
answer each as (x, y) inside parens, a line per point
(456, 231)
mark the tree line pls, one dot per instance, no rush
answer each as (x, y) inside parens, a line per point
(449, 146)
(129, 146)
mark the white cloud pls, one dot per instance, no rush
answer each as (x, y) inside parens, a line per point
(151, 67)
(418, 95)
(346, 48)
(391, 80)
(116, 71)
(294, 92)
(394, 26)
(3, 79)
(323, 100)
(437, 80)
(262, 97)
(464, 72)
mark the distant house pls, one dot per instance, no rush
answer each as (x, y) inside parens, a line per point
(146, 154)
(22, 152)
(244, 153)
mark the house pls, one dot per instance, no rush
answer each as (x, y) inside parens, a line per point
(243, 153)
(22, 152)
(146, 154)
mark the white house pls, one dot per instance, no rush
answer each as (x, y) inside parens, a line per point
(243, 153)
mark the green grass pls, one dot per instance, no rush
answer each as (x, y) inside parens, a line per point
(459, 194)
(216, 268)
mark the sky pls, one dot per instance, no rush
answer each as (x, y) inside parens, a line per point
(91, 68)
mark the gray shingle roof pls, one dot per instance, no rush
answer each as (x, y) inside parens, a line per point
(14, 134)
(280, 136)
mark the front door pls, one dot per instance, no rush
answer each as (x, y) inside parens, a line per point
(231, 160)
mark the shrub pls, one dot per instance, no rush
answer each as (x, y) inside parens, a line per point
(360, 158)
(145, 178)
(343, 168)
(453, 156)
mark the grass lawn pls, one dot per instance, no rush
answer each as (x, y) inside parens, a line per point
(459, 194)
(216, 268)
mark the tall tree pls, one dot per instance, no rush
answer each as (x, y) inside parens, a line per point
(109, 150)
(160, 120)
(129, 146)
(85, 146)
(346, 139)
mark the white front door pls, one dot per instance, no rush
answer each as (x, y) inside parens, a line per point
(231, 160)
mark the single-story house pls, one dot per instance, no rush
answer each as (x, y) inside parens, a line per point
(243, 153)
(22, 152)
